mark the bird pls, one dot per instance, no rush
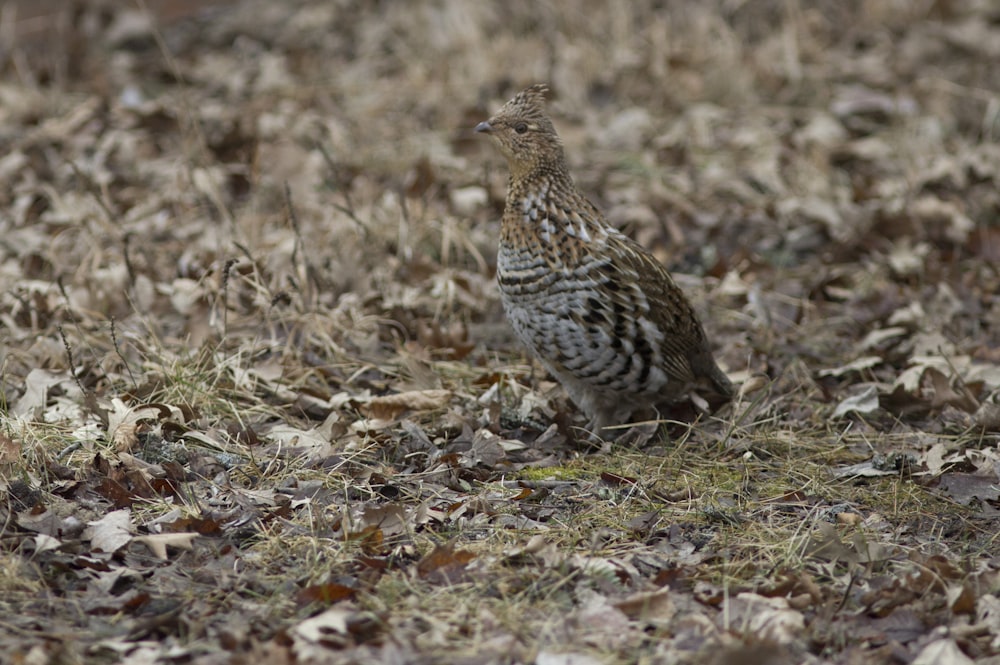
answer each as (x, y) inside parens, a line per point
(598, 310)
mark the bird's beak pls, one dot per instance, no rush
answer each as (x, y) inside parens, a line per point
(484, 127)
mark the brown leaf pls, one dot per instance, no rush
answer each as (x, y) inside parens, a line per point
(124, 422)
(40, 520)
(987, 416)
(370, 537)
(944, 394)
(450, 343)
(768, 619)
(708, 594)
(115, 492)
(652, 606)
(864, 402)
(486, 452)
(10, 450)
(327, 593)
(445, 565)
(961, 599)
(615, 480)
(204, 526)
(965, 487)
(644, 523)
(420, 178)
(389, 407)
(391, 518)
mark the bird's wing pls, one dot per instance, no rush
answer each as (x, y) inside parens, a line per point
(637, 276)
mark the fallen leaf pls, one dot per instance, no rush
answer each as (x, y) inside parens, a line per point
(864, 402)
(565, 658)
(389, 407)
(966, 487)
(158, 542)
(10, 450)
(328, 593)
(111, 532)
(331, 622)
(391, 518)
(987, 416)
(444, 565)
(649, 606)
(44, 543)
(866, 469)
(603, 624)
(961, 598)
(944, 394)
(877, 337)
(767, 619)
(942, 652)
(36, 389)
(123, 422)
(857, 365)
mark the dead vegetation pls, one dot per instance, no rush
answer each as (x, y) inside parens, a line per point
(259, 403)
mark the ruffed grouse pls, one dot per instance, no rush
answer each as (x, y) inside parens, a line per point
(599, 311)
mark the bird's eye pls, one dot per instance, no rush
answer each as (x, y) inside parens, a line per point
(521, 127)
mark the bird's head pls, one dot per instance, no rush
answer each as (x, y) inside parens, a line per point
(524, 133)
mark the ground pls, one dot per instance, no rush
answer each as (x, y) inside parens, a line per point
(258, 402)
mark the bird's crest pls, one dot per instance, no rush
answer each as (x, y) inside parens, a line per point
(529, 104)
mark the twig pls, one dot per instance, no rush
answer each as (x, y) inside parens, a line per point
(847, 594)
(129, 268)
(225, 294)
(308, 271)
(349, 208)
(118, 350)
(69, 358)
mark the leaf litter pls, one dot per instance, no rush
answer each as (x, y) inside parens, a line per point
(260, 404)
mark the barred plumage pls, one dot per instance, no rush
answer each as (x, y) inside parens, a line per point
(599, 311)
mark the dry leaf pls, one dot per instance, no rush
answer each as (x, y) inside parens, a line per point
(767, 619)
(388, 407)
(546, 657)
(36, 389)
(111, 532)
(123, 422)
(329, 623)
(966, 487)
(158, 542)
(857, 365)
(653, 607)
(445, 565)
(44, 543)
(328, 593)
(942, 652)
(10, 450)
(864, 403)
(391, 518)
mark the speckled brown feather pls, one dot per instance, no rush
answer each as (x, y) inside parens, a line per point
(600, 312)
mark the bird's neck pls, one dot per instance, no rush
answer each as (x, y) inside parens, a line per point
(536, 179)
(550, 165)
(545, 210)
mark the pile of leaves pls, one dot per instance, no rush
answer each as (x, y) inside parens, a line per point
(258, 402)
